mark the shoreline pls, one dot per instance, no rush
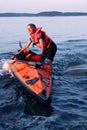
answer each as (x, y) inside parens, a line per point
(42, 14)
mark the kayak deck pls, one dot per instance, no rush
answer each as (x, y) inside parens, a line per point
(37, 80)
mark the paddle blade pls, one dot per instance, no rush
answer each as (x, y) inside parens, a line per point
(20, 45)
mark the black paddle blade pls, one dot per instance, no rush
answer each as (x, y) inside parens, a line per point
(20, 45)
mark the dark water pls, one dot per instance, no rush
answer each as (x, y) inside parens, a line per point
(67, 108)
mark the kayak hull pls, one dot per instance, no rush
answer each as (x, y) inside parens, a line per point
(36, 79)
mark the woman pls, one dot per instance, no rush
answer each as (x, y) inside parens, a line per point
(39, 38)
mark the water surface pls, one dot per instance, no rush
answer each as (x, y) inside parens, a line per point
(67, 108)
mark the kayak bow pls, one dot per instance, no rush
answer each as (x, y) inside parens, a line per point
(35, 77)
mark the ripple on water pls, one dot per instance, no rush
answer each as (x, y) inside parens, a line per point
(67, 109)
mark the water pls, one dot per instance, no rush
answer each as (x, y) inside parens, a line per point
(67, 108)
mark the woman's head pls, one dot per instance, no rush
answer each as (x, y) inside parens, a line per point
(31, 28)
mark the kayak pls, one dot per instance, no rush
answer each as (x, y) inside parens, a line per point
(35, 78)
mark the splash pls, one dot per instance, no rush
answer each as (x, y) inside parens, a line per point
(5, 68)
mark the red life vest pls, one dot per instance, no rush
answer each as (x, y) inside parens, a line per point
(36, 36)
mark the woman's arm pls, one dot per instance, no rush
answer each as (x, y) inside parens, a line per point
(25, 46)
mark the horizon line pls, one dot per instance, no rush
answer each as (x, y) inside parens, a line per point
(48, 11)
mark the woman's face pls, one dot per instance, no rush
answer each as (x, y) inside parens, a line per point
(30, 30)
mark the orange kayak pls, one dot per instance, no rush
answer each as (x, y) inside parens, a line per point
(36, 78)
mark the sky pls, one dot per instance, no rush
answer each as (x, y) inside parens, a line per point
(36, 6)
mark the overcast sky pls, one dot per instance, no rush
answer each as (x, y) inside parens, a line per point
(35, 6)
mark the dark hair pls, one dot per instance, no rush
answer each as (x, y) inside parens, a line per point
(32, 25)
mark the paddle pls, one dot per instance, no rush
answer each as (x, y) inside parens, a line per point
(20, 45)
(20, 54)
(36, 64)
